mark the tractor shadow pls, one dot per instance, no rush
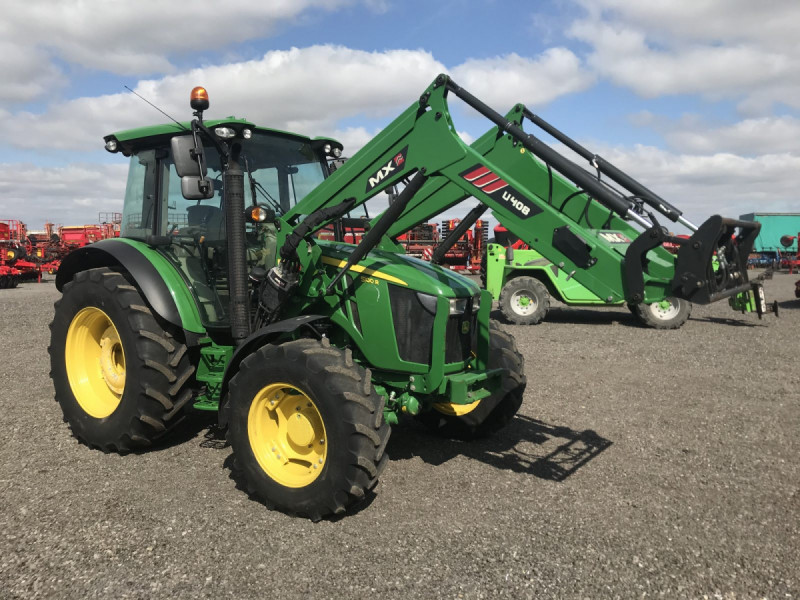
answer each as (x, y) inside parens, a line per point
(525, 445)
(792, 304)
(727, 321)
(187, 431)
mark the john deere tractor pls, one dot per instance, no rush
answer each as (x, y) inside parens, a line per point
(219, 296)
(222, 295)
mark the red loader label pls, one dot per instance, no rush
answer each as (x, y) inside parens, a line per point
(499, 189)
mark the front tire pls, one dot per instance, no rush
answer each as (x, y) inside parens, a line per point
(670, 313)
(307, 428)
(488, 416)
(524, 301)
(121, 379)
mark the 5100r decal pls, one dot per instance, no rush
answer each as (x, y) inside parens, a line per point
(489, 183)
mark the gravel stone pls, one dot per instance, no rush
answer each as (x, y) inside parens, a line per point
(642, 463)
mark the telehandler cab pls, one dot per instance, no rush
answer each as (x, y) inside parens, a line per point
(218, 296)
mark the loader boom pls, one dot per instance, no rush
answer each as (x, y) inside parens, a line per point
(580, 223)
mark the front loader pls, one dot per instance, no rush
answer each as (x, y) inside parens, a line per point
(581, 233)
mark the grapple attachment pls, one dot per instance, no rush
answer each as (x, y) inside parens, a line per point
(712, 264)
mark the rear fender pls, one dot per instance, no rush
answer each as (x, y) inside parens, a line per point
(149, 278)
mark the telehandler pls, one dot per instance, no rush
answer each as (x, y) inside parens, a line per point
(218, 296)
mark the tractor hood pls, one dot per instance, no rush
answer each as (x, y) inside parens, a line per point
(402, 270)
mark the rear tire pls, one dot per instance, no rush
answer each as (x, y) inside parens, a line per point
(491, 414)
(669, 314)
(307, 428)
(121, 380)
(524, 301)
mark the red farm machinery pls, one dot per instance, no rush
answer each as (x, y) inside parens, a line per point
(16, 259)
(26, 254)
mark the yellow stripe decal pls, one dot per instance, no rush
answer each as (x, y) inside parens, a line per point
(363, 270)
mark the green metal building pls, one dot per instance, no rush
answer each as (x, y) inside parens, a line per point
(773, 227)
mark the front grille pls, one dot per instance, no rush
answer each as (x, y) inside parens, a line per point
(459, 343)
(413, 325)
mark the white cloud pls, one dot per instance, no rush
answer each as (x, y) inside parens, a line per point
(702, 185)
(503, 81)
(749, 137)
(70, 195)
(26, 73)
(308, 90)
(133, 38)
(718, 48)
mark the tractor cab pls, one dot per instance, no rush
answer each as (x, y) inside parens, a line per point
(186, 223)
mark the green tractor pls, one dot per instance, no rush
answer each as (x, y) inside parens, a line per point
(222, 295)
(219, 297)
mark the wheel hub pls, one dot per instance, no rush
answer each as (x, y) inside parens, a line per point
(112, 364)
(522, 303)
(287, 435)
(95, 362)
(665, 309)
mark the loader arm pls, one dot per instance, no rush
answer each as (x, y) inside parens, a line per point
(566, 218)
(576, 226)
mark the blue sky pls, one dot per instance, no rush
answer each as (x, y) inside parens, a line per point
(698, 100)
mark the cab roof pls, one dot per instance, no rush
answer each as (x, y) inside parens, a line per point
(132, 140)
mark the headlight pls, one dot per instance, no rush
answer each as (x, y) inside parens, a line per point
(111, 145)
(458, 306)
(247, 134)
(326, 148)
(337, 152)
(225, 133)
(476, 302)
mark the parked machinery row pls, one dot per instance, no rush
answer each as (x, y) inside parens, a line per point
(26, 254)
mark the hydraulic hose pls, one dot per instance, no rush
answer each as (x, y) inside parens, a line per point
(455, 235)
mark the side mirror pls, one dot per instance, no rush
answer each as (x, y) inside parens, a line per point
(185, 155)
(194, 187)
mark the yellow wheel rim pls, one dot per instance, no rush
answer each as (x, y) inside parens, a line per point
(287, 435)
(456, 410)
(95, 362)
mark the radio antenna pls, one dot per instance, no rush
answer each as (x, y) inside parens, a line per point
(158, 109)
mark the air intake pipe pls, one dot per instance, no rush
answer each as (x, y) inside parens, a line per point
(239, 307)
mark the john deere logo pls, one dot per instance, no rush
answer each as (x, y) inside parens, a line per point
(465, 327)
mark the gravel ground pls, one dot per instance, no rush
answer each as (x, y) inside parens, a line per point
(642, 463)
